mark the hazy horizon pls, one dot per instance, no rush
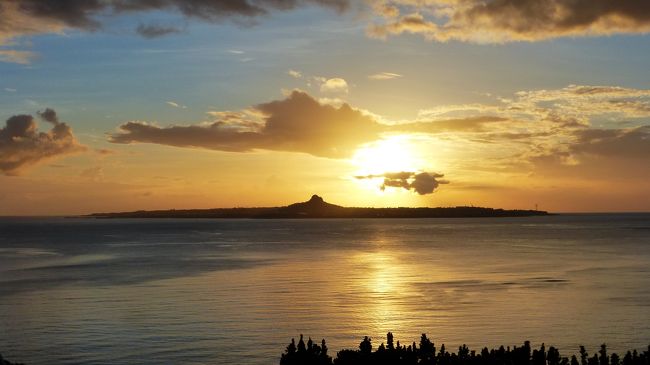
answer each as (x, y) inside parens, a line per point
(64, 215)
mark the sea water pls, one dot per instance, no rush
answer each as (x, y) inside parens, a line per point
(139, 291)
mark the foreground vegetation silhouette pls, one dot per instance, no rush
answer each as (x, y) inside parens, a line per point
(426, 353)
(5, 362)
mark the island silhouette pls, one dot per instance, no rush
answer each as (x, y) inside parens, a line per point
(316, 207)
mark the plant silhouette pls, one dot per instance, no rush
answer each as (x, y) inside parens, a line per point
(6, 362)
(305, 354)
(425, 353)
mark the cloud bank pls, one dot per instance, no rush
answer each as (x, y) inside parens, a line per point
(579, 131)
(22, 145)
(298, 123)
(529, 124)
(31, 17)
(494, 21)
(497, 21)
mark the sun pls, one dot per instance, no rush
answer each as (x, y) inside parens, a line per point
(393, 154)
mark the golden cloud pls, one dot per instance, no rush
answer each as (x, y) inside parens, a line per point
(500, 21)
(298, 123)
(529, 131)
(22, 145)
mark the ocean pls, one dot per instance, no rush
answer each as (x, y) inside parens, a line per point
(145, 291)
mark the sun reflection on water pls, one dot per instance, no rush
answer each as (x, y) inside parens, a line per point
(385, 282)
(384, 272)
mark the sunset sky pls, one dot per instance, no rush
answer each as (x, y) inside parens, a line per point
(114, 105)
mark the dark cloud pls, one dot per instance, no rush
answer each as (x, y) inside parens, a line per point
(440, 20)
(216, 136)
(155, 31)
(49, 115)
(623, 143)
(298, 123)
(28, 17)
(72, 13)
(425, 183)
(629, 144)
(513, 20)
(422, 183)
(81, 13)
(598, 155)
(22, 145)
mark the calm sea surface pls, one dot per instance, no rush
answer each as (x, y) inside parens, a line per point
(81, 291)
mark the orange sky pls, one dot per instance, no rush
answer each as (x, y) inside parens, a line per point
(376, 103)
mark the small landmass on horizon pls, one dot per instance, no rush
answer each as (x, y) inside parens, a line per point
(316, 207)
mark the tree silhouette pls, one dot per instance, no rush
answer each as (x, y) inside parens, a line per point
(604, 359)
(301, 345)
(389, 341)
(366, 345)
(425, 354)
(5, 362)
(311, 354)
(583, 355)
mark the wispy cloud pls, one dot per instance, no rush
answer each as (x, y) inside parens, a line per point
(156, 31)
(15, 56)
(175, 104)
(295, 74)
(334, 85)
(384, 76)
(326, 85)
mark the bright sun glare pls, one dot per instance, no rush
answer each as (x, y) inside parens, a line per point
(393, 154)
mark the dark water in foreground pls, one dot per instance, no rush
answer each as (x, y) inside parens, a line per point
(235, 291)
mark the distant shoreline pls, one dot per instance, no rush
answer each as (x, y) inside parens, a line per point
(316, 207)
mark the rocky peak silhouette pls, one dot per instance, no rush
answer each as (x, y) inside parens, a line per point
(315, 206)
(315, 199)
